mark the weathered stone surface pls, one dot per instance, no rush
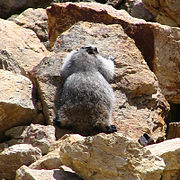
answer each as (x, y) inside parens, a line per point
(112, 156)
(166, 12)
(140, 106)
(10, 7)
(173, 130)
(158, 44)
(53, 160)
(15, 156)
(16, 107)
(20, 49)
(169, 151)
(36, 20)
(166, 62)
(25, 173)
(46, 78)
(63, 15)
(40, 136)
(16, 136)
(50, 161)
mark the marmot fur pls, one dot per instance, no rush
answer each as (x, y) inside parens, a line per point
(87, 98)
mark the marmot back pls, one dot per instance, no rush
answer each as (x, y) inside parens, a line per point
(87, 98)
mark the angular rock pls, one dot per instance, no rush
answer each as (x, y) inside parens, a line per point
(112, 156)
(16, 132)
(46, 78)
(166, 61)
(169, 151)
(173, 130)
(63, 15)
(140, 107)
(16, 106)
(36, 20)
(53, 160)
(158, 44)
(138, 10)
(50, 161)
(20, 49)
(115, 3)
(165, 12)
(15, 156)
(25, 173)
(40, 136)
(10, 7)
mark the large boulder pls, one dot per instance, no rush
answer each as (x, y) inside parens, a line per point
(36, 20)
(20, 48)
(165, 12)
(140, 107)
(63, 15)
(111, 157)
(15, 156)
(16, 106)
(158, 44)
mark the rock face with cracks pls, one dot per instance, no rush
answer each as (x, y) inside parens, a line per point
(140, 106)
(165, 12)
(158, 44)
(20, 48)
(16, 106)
(109, 157)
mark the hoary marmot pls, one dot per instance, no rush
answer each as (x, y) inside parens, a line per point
(87, 98)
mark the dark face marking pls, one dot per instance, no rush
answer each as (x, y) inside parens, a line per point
(91, 49)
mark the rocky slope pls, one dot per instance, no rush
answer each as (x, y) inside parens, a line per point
(146, 86)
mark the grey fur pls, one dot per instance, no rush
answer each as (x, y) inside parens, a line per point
(87, 98)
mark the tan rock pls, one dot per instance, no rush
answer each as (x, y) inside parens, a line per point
(140, 106)
(16, 107)
(173, 130)
(158, 44)
(166, 12)
(112, 156)
(166, 61)
(25, 173)
(15, 156)
(19, 47)
(36, 20)
(40, 136)
(63, 15)
(50, 161)
(53, 160)
(169, 151)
